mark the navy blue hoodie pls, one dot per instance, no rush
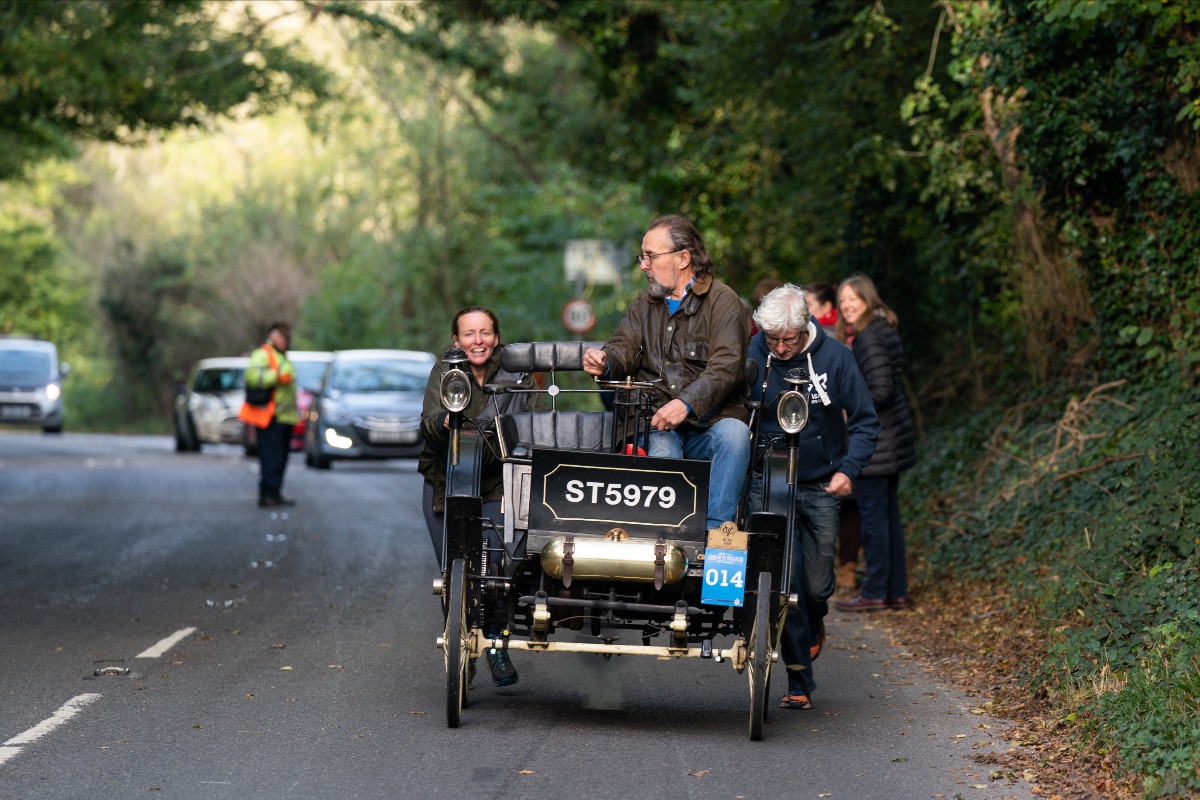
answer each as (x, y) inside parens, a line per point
(831, 442)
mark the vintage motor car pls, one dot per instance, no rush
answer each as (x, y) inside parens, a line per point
(605, 550)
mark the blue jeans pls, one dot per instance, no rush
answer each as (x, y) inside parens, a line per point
(726, 444)
(814, 546)
(882, 538)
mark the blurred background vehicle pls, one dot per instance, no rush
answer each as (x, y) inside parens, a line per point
(310, 371)
(206, 407)
(369, 406)
(31, 383)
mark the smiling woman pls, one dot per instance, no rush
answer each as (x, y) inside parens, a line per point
(475, 333)
(869, 327)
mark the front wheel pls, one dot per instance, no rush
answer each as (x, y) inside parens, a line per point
(456, 643)
(314, 459)
(760, 657)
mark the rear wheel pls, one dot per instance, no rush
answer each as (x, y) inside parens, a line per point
(759, 660)
(456, 645)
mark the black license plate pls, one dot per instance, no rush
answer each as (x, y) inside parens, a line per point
(578, 492)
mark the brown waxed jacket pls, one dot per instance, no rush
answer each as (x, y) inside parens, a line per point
(698, 354)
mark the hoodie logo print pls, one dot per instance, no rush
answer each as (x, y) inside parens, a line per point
(813, 395)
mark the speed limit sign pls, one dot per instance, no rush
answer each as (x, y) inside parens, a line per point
(578, 316)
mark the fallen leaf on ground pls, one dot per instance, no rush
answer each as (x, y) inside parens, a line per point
(700, 773)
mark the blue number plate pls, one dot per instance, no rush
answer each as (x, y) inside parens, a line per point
(724, 577)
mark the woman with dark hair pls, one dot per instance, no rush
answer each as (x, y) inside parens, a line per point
(475, 331)
(868, 326)
(822, 305)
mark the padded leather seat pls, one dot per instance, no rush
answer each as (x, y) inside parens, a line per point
(545, 356)
(563, 430)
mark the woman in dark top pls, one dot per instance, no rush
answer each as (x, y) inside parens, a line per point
(868, 326)
(476, 332)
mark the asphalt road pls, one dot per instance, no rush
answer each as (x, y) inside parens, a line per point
(274, 655)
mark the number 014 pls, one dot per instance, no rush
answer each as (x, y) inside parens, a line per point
(723, 577)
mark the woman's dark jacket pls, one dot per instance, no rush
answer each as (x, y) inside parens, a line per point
(880, 358)
(483, 408)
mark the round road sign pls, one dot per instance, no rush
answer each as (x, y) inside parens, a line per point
(578, 316)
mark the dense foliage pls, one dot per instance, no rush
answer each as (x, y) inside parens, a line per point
(1086, 507)
(114, 71)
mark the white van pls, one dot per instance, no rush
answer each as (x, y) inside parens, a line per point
(31, 384)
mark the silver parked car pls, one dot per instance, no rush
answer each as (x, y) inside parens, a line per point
(368, 407)
(207, 406)
(31, 383)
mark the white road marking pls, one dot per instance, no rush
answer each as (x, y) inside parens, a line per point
(68, 710)
(166, 644)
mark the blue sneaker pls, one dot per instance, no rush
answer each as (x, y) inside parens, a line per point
(503, 671)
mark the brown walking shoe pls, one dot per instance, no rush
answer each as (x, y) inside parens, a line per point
(861, 603)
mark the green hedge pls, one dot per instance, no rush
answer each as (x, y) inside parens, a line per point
(1086, 507)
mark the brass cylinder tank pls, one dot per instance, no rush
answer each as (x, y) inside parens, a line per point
(630, 560)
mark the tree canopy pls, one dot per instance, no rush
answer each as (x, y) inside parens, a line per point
(116, 70)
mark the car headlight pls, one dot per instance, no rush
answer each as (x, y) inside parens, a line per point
(53, 392)
(792, 411)
(335, 439)
(456, 390)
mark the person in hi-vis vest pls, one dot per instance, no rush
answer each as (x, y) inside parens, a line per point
(271, 407)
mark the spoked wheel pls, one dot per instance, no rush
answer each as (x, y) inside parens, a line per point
(759, 661)
(456, 644)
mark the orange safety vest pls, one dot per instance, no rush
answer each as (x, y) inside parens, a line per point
(261, 416)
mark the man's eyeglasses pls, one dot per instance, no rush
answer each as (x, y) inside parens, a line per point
(646, 258)
(789, 341)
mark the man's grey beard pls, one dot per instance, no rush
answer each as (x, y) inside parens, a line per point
(659, 291)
